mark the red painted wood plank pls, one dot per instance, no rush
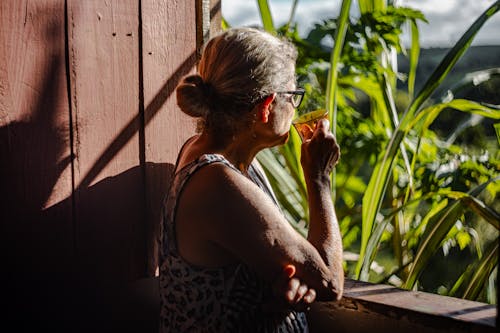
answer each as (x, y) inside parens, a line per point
(109, 194)
(427, 303)
(169, 52)
(36, 231)
(368, 307)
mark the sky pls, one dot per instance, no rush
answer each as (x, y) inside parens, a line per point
(448, 19)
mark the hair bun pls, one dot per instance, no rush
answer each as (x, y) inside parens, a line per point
(192, 96)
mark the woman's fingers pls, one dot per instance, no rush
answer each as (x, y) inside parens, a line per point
(321, 153)
(293, 286)
(301, 291)
(297, 295)
(323, 125)
(306, 133)
(334, 157)
(310, 296)
(289, 270)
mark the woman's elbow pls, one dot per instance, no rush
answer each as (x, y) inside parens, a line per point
(332, 290)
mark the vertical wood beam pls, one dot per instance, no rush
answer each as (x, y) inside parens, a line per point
(36, 234)
(208, 22)
(169, 53)
(109, 207)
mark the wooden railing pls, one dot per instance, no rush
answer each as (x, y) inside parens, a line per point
(368, 307)
(365, 307)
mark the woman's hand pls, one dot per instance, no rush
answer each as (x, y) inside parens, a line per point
(290, 293)
(320, 153)
(298, 295)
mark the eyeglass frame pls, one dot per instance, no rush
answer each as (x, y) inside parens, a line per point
(299, 92)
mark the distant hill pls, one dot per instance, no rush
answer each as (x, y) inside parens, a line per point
(476, 58)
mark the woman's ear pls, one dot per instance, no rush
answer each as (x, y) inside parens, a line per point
(263, 111)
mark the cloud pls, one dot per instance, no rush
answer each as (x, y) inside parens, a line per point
(308, 12)
(448, 19)
(240, 12)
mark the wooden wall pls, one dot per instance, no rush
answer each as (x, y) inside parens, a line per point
(89, 132)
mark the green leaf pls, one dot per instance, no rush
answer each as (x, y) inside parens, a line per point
(343, 22)
(291, 153)
(471, 80)
(265, 14)
(497, 131)
(372, 200)
(481, 209)
(331, 88)
(463, 239)
(373, 197)
(283, 184)
(407, 13)
(447, 63)
(457, 104)
(440, 226)
(372, 247)
(224, 24)
(292, 15)
(414, 54)
(482, 273)
(366, 6)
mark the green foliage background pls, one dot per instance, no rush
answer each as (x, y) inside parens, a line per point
(417, 188)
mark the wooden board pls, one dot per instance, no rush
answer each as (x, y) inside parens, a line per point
(109, 193)
(368, 307)
(169, 52)
(89, 133)
(34, 123)
(36, 230)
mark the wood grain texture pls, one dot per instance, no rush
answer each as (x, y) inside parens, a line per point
(215, 16)
(36, 231)
(368, 307)
(109, 194)
(169, 53)
(34, 116)
(88, 121)
(33, 99)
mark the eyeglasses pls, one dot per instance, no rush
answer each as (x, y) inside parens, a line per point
(295, 96)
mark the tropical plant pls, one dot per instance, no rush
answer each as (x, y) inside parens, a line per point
(401, 191)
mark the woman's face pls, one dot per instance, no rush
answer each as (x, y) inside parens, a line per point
(282, 114)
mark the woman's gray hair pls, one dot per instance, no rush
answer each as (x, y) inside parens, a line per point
(238, 68)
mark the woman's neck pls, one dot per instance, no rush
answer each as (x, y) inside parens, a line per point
(240, 150)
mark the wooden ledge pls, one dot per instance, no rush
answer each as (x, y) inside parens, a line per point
(365, 307)
(368, 307)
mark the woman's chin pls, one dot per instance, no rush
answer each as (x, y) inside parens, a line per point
(283, 139)
(277, 140)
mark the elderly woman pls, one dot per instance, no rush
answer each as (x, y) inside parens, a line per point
(230, 261)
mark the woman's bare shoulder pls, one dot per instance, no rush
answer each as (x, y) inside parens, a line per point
(220, 183)
(234, 213)
(218, 190)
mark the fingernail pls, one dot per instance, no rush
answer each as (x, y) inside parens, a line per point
(290, 270)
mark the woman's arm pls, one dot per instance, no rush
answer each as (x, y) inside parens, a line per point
(232, 212)
(319, 155)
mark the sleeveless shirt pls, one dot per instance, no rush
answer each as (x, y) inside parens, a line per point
(226, 299)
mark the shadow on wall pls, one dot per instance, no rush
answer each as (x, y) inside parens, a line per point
(45, 274)
(37, 245)
(60, 262)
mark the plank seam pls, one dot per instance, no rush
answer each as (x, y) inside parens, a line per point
(71, 135)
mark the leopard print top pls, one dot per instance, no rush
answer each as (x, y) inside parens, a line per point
(228, 299)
